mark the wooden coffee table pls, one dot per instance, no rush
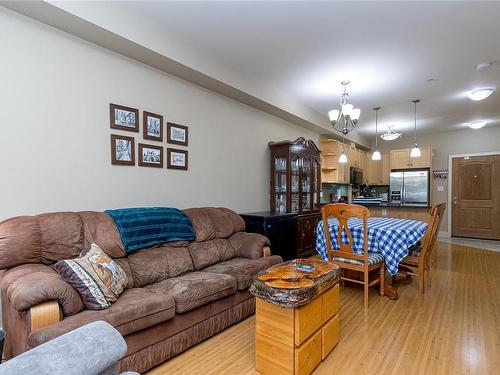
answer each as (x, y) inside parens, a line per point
(296, 318)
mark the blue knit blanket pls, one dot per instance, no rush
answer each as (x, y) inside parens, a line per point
(144, 227)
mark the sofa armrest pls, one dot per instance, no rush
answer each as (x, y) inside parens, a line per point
(249, 245)
(266, 251)
(27, 286)
(94, 348)
(45, 314)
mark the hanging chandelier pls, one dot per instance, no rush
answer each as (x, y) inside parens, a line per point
(390, 134)
(346, 119)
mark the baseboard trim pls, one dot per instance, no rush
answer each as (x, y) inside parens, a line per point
(445, 234)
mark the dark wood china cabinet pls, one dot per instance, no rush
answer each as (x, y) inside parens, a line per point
(295, 176)
(294, 199)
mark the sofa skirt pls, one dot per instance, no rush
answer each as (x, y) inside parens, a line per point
(157, 344)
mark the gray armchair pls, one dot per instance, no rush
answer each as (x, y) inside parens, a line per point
(93, 349)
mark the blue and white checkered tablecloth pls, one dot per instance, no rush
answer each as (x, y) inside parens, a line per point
(389, 236)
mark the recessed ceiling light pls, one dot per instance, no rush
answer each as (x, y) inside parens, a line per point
(480, 94)
(477, 124)
(482, 66)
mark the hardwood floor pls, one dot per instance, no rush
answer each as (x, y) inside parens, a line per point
(452, 329)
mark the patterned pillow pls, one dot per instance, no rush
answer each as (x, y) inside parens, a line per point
(97, 278)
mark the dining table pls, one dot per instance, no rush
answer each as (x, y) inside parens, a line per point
(388, 236)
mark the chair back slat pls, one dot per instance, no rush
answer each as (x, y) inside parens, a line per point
(343, 212)
(431, 235)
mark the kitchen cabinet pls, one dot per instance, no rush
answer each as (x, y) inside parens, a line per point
(331, 170)
(424, 161)
(364, 164)
(356, 157)
(386, 169)
(378, 171)
(400, 159)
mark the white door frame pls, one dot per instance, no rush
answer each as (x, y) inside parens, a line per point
(450, 179)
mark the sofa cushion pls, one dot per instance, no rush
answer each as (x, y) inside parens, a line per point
(202, 223)
(244, 269)
(226, 221)
(30, 284)
(99, 228)
(209, 252)
(134, 310)
(20, 241)
(214, 222)
(62, 236)
(150, 266)
(248, 245)
(123, 263)
(97, 278)
(195, 289)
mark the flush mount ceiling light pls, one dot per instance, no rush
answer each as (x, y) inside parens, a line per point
(376, 154)
(415, 151)
(390, 134)
(477, 124)
(346, 119)
(480, 94)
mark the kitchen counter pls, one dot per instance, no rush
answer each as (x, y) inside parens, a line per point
(402, 212)
(415, 212)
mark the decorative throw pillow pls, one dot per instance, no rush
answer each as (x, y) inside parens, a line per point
(97, 278)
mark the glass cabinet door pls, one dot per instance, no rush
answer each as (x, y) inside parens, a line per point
(305, 200)
(295, 182)
(316, 178)
(280, 167)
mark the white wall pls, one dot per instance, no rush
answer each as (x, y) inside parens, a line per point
(55, 135)
(450, 143)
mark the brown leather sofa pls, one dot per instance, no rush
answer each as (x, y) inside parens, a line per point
(177, 296)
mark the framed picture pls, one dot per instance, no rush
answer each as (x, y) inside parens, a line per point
(150, 156)
(123, 118)
(122, 150)
(152, 126)
(177, 159)
(177, 134)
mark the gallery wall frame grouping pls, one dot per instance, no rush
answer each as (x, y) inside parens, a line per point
(149, 155)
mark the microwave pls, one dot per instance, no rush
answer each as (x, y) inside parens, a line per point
(356, 176)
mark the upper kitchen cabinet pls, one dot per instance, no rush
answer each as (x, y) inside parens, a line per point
(295, 176)
(400, 159)
(331, 170)
(357, 157)
(378, 170)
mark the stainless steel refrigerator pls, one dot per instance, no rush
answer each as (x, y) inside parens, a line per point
(410, 187)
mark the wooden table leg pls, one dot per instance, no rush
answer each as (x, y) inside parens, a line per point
(390, 291)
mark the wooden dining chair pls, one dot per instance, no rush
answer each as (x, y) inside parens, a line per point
(419, 261)
(345, 256)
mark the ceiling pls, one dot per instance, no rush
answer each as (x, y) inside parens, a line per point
(387, 49)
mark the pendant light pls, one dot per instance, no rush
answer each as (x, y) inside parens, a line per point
(376, 154)
(343, 156)
(415, 151)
